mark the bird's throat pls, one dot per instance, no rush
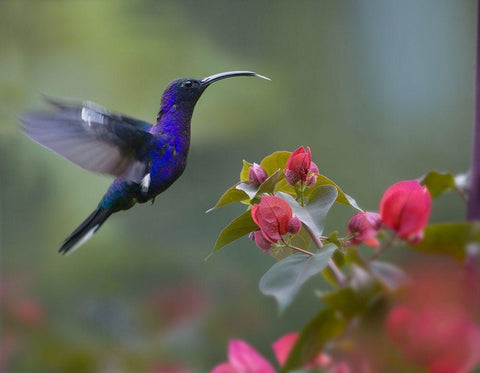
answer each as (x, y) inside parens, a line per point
(174, 120)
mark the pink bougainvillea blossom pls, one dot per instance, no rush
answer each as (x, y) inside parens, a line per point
(282, 347)
(434, 325)
(274, 217)
(243, 358)
(300, 167)
(405, 208)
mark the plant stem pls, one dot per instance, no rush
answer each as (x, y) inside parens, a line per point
(382, 248)
(302, 190)
(299, 249)
(473, 212)
(331, 264)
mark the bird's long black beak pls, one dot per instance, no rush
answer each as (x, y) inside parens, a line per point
(229, 74)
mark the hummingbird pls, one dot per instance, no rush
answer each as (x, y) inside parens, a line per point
(145, 158)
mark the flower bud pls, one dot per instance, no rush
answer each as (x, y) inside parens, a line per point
(256, 175)
(405, 208)
(364, 226)
(291, 177)
(294, 225)
(299, 166)
(311, 181)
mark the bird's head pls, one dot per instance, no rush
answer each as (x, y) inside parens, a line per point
(187, 91)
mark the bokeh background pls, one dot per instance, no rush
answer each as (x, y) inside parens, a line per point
(381, 90)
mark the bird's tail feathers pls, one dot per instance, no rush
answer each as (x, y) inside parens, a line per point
(85, 230)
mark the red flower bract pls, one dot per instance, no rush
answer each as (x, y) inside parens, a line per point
(283, 346)
(405, 208)
(299, 165)
(364, 226)
(260, 240)
(272, 216)
(243, 358)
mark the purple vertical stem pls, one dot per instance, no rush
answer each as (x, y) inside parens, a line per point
(473, 212)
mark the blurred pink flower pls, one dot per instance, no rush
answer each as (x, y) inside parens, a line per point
(179, 304)
(242, 358)
(405, 208)
(434, 325)
(28, 311)
(364, 227)
(341, 367)
(282, 347)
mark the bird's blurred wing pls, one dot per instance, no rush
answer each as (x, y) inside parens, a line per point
(92, 137)
(73, 105)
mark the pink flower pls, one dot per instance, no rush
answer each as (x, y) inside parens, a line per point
(28, 311)
(282, 347)
(434, 325)
(441, 340)
(256, 174)
(341, 367)
(261, 242)
(405, 208)
(364, 226)
(299, 166)
(275, 218)
(243, 358)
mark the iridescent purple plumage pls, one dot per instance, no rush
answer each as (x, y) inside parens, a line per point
(146, 158)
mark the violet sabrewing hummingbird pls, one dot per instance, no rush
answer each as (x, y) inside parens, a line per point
(145, 158)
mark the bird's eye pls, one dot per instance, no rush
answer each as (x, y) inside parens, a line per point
(188, 84)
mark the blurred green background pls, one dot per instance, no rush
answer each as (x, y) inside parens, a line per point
(380, 90)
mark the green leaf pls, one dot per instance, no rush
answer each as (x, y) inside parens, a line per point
(324, 327)
(280, 251)
(389, 275)
(302, 239)
(342, 196)
(250, 190)
(244, 172)
(254, 192)
(346, 301)
(285, 278)
(285, 187)
(449, 238)
(239, 227)
(314, 214)
(275, 161)
(438, 182)
(354, 299)
(333, 238)
(243, 191)
(231, 195)
(267, 186)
